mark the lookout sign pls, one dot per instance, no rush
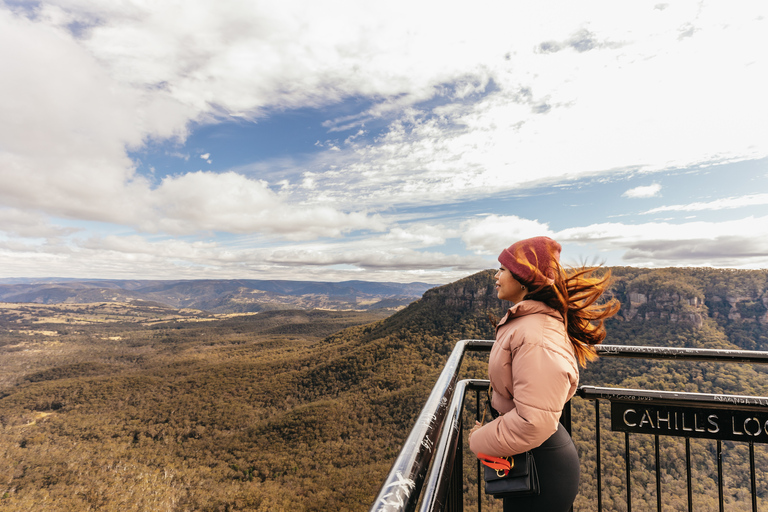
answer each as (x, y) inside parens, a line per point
(668, 420)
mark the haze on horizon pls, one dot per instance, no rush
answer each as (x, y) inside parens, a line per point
(394, 141)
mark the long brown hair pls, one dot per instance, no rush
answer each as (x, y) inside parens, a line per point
(575, 293)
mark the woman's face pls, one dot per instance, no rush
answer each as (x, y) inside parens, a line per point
(507, 287)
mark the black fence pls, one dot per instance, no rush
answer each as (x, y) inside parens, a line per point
(428, 473)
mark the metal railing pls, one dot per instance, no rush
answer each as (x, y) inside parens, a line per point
(428, 472)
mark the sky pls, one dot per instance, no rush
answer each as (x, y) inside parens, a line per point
(381, 141)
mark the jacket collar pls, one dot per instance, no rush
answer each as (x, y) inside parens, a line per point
(529, 307)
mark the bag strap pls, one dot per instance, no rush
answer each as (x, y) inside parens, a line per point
(502, 463)
(487, 401)
(498, 463)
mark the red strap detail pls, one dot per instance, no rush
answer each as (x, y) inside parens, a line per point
(494, 462)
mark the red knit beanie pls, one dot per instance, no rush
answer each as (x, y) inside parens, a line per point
(530, 260)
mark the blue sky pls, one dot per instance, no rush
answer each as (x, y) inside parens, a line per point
(398, 141)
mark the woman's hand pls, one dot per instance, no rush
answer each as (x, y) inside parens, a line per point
(477, 426)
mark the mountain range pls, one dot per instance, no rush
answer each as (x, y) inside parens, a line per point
(217, 296)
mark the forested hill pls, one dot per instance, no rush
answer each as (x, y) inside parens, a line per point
(736, 301)
(732, 302)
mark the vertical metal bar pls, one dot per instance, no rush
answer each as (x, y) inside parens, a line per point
(629, 472)
(720, 474)
(456, 497)
(658, 474)
(597, 458)
(688, 472)
(479, 468)
(752, 475)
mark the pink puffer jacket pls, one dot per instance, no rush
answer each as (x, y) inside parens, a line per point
(534, 372)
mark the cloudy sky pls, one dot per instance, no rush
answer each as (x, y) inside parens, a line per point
(387, 141)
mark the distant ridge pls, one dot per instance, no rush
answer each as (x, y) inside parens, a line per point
(217, 295)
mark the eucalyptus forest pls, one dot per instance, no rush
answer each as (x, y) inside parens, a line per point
(141, 406)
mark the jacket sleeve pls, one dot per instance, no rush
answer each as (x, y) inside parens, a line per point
(542, 381)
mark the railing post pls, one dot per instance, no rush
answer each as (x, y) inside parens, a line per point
(720, 475)
(598, 458)
(658, 472)
(477, 463)
(629, 471)
(688, 472)
(455, 501)
(753, 484)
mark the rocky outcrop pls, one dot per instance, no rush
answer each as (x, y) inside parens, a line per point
(674, 307)
(740, 308)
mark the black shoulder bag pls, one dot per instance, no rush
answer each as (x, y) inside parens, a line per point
(508, 476)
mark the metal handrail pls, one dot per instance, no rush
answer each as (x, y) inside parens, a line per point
(684, 354)
(429, 440)
(436, 487)
(722, 401)
(438, 478)
(402, 488)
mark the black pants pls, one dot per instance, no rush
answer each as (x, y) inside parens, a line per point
(558, 466)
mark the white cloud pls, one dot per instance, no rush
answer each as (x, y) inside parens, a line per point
(67, 124)
(245, 57)
(116, 256)
(233, 203)
(558, 116)
(491, 234)
(29, 225)
(643, 192)
(418, 235)
(389, 258)
(717, 204)
(741, 243)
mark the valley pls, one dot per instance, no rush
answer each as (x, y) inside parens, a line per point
(138, 405)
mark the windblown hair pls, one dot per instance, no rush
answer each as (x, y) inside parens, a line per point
(575, 293)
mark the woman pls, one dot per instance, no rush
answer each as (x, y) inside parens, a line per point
(549, 331)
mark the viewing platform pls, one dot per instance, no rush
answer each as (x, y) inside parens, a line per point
(671, 426)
